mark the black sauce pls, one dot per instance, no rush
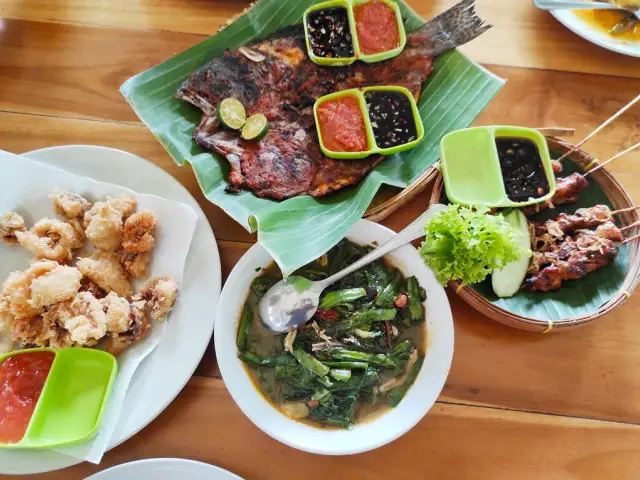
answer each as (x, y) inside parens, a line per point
(329, 33)
(391, 118)
(522, 169)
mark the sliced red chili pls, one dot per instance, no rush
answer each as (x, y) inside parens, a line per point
(401, 300)
(387, 327)
(329, 315)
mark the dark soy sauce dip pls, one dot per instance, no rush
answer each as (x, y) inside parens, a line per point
(329, 33)
(391, 118)
(522, 169)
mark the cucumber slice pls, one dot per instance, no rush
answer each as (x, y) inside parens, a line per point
(256, 127)
(507, 281)
(231, 114)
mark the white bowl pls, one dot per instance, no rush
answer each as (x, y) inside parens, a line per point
(594, 35)
(367, 436)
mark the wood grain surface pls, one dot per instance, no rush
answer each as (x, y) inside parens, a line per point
(455, 442)
(516, 405)
(533, 36)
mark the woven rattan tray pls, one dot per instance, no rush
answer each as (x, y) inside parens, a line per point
(619, 198)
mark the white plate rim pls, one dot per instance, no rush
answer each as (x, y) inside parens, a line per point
(188, 463)
(248, 263)
(584, 30)
(133, 426)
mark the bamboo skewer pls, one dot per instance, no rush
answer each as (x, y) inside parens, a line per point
(628, 227)
(556, 131)
(617, 155)
(625, 210)
(597, 130)
(636, 237)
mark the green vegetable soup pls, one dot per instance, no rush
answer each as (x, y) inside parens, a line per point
(355, 359)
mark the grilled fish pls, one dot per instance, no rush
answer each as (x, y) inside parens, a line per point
(275, 76)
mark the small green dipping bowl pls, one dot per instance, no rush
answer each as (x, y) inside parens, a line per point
(326, 61)
(354, 92)
(471, 166)
(73, 399)
(378, 57)
(371, 142)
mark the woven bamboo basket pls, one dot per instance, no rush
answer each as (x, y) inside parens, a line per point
(619, 198)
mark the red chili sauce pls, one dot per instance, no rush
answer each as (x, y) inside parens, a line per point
(342, 125)
(377, 27)
(21, 380)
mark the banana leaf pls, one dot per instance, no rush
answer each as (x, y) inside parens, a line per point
(577, 297)
(457, 91)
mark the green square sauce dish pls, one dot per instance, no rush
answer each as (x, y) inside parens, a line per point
(339, 115)
(63, 400)
(497, 166)
(394, 118)
(329, 31)
(382, 10)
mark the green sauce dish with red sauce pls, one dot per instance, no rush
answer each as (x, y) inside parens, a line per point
(379, 29)
(342, 127)
(355, 123)
(50, 398)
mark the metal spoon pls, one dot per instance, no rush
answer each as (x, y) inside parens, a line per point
(293, 301)
(582, 5)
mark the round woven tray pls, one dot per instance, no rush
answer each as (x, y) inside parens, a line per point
(619, 199)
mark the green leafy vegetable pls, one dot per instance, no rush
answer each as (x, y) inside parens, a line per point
(257, 360)
(467, 244)
(310, 362)
(245, 325)
(340, 374)
(339, 297)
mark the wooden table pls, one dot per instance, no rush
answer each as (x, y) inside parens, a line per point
(516, 405)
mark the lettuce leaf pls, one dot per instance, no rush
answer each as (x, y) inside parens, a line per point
(467, 244)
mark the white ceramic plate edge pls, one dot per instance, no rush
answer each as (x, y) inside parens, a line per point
(51, 460)
(584, 30)
(167, 468)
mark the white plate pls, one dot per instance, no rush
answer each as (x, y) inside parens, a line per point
(164, 469)
(165, 372)
(363, 437)
(586, 31)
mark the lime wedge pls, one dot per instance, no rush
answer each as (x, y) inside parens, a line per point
(231, 114)
(256, 127)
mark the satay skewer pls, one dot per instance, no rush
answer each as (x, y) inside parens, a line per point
(568, 188)
(617, 155)
(600, 128)
(629, 227)
(631, 239)
(582, 218)
(625, 210)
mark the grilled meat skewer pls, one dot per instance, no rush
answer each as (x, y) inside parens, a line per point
(574, 258)
(546, 234)
(567, 190)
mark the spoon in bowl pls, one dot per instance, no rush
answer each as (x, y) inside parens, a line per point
(294, 300)
(631, 6)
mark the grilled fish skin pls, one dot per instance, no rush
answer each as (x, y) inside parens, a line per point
(275, 76)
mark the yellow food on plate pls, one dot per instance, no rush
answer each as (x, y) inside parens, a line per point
(91, 303)
(51, 239)
(104, 222)
(10, 223)
(105, 270)
(68, 204)
(606, 20)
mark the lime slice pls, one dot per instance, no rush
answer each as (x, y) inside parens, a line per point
(231, 114)
(256, 127)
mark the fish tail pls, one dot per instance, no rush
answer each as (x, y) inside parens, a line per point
(457, 26)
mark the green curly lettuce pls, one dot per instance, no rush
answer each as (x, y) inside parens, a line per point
(467, 244)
